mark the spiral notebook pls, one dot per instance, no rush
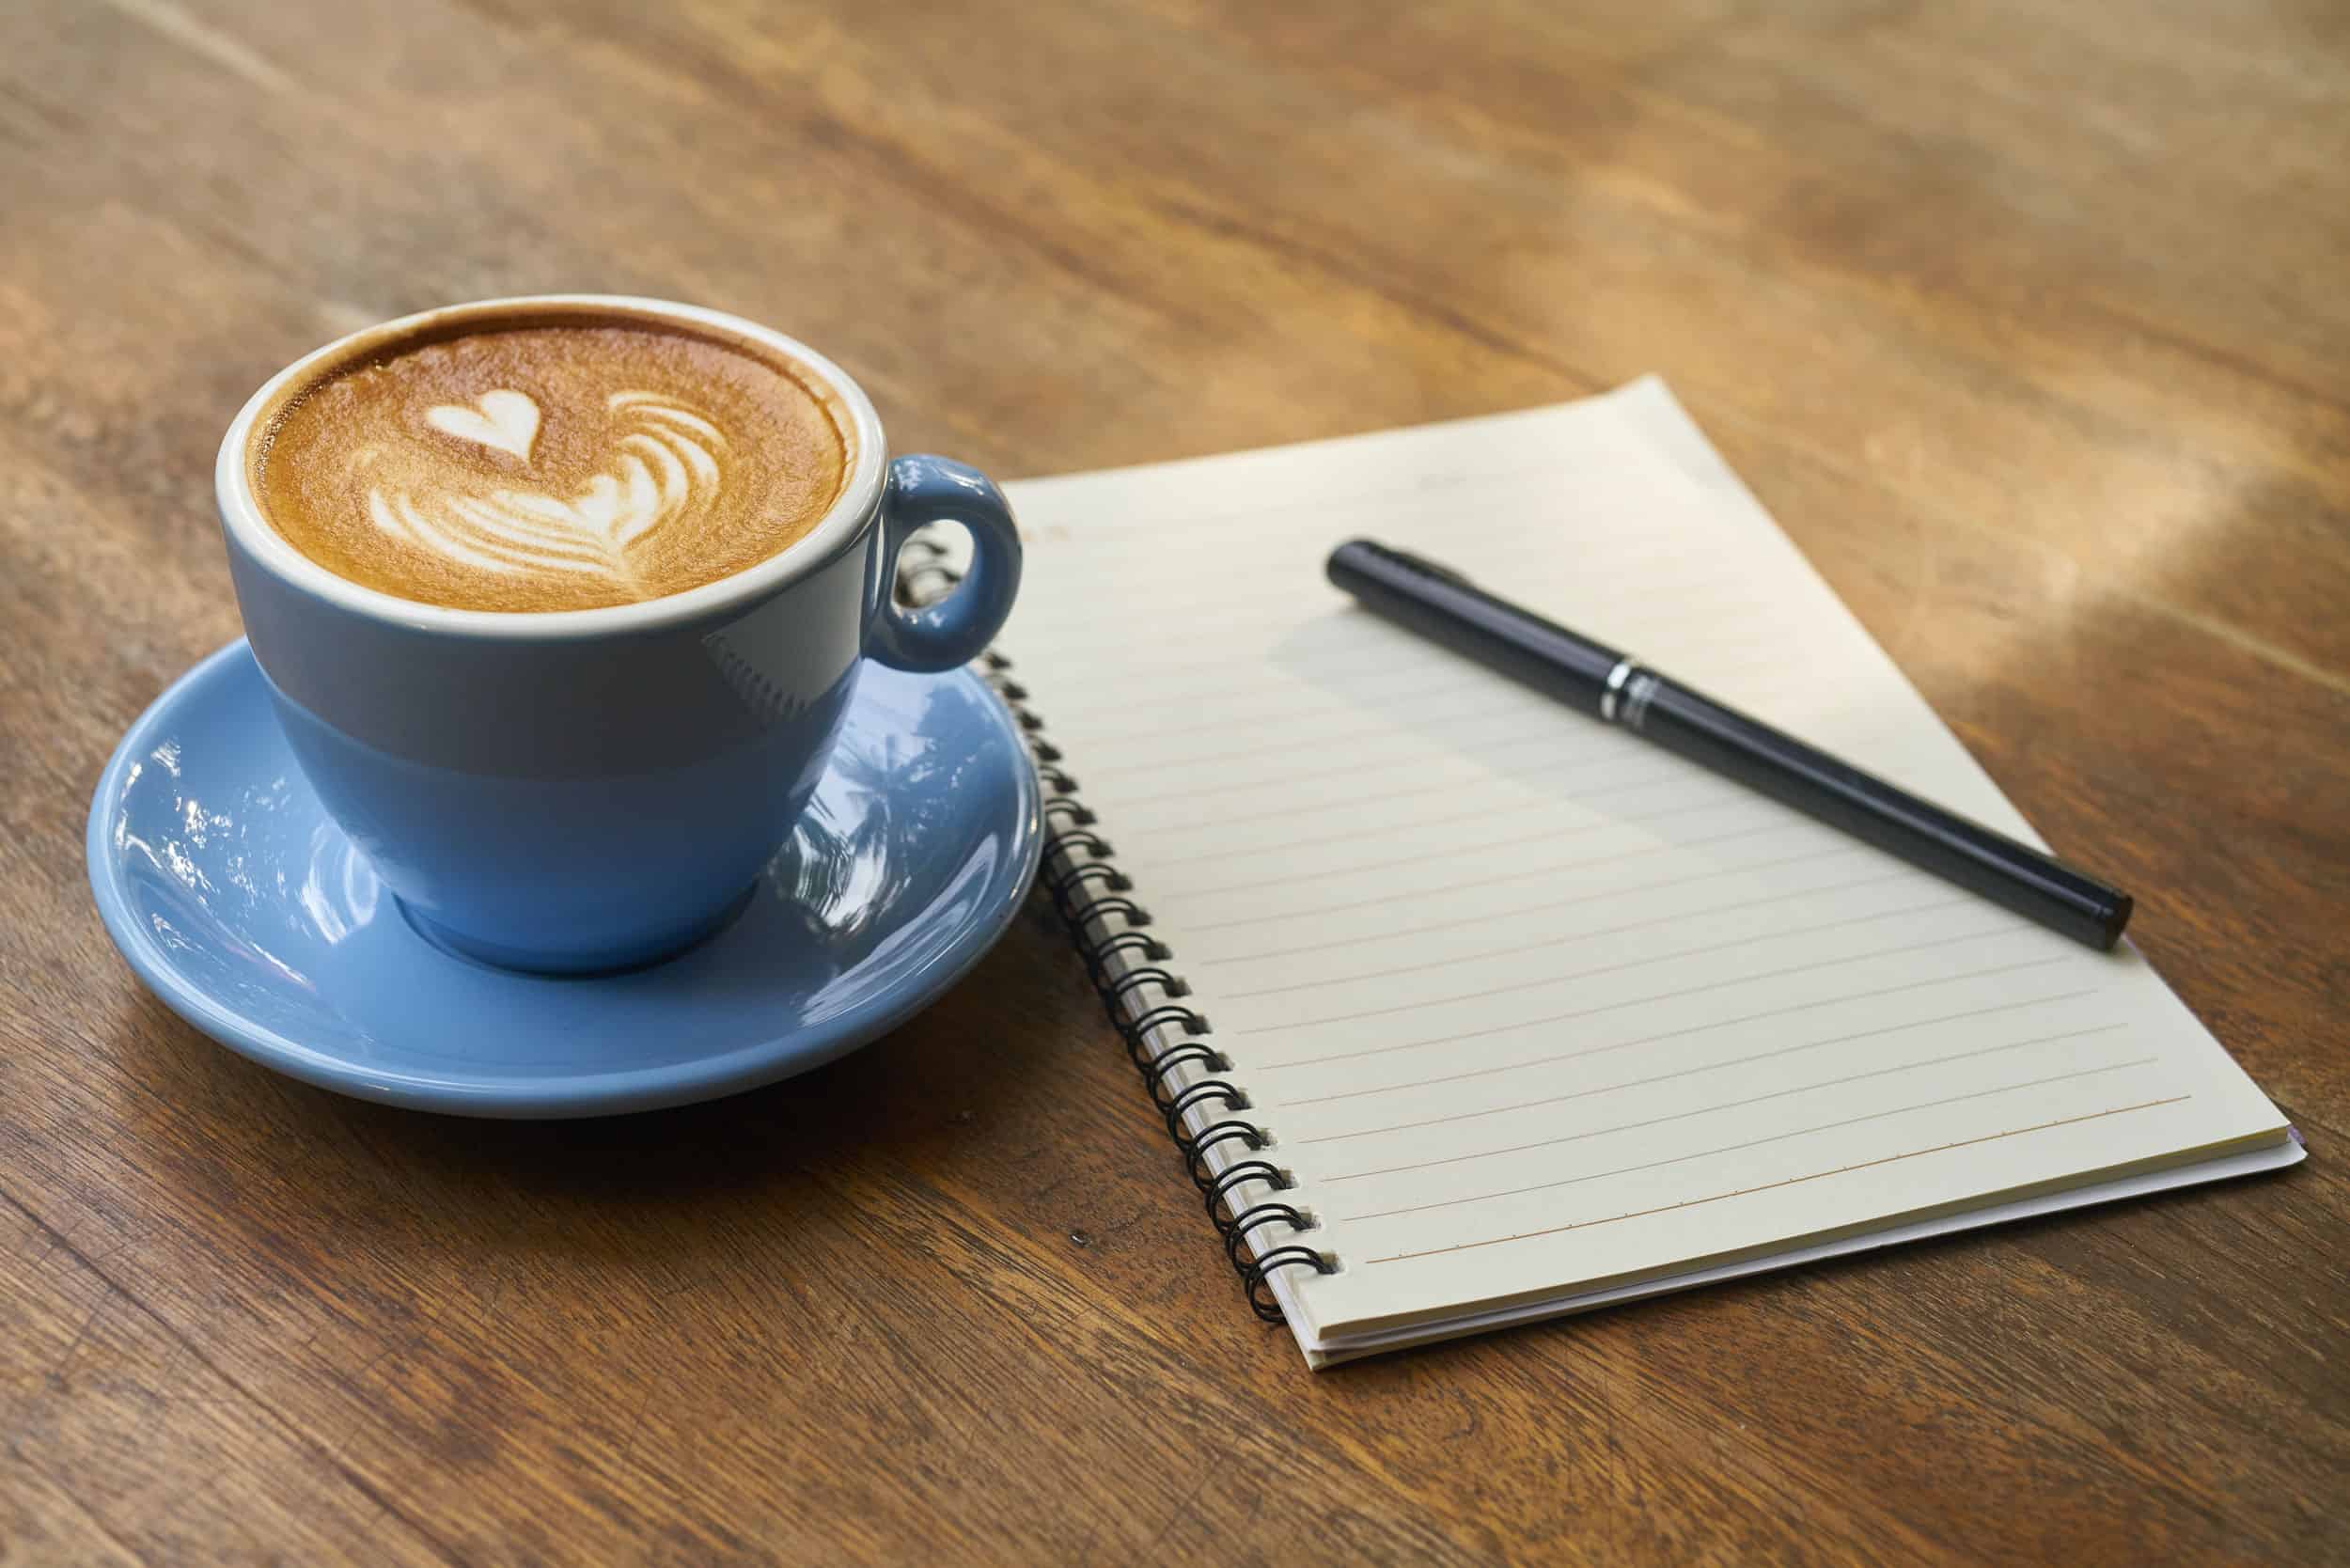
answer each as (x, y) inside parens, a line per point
(1464, 1010)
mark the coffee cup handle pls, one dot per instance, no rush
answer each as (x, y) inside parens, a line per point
(957, 629)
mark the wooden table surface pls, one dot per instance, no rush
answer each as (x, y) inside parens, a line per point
(2027, 320)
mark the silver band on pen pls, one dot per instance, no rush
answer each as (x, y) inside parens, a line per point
(1613, 692)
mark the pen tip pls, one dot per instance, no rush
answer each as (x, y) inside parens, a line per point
(2117, 917)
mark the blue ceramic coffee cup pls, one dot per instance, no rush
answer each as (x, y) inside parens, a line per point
(581, 790)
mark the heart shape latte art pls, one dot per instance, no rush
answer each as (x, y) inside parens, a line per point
(663, 467)
(506, 420)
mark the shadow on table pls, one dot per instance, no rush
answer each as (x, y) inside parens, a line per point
(332, 1178)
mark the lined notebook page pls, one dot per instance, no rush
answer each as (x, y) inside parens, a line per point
(1528, 1006)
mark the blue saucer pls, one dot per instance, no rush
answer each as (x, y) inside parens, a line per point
(248, 911)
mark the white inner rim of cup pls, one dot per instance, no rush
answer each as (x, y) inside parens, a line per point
(860, 492)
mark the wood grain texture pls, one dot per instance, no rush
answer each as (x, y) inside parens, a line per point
(2027, 320)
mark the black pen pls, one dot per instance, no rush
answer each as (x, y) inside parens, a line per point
(1448, 609)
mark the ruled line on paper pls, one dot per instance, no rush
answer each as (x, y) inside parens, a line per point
(1072, 703)
(1752, 1143)
(1175, 583)
(1663, 958)
(1644, 852)
(1225, 819)
(1340, 639)
(1548, 498)
(1347, 769)
(1271, 592)
(1679, 917)
(1264, 506)
(1520, 705)
(1168, 532)
(1462, 847)
(1458, 676)
(1228, 718)
(1789, 1182)
(1555, 1057)
(1979, 1051)
(1629, 889)
(1540, 511)
(1345, 637)
(1637, 1001)
(1156, 584)
(1305, 589)
(1535, 706)
(1387, 826)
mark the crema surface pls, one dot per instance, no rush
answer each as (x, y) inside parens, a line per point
(557, 465)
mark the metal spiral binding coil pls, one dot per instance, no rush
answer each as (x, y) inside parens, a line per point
(1127, 967)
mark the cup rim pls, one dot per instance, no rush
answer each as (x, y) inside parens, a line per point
(850, 512)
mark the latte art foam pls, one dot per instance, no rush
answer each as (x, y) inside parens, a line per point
(555, 467)
(666, 472)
